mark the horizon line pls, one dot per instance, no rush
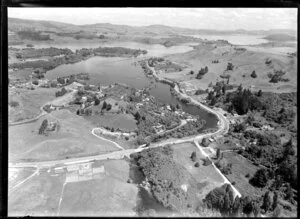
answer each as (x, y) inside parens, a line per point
(154, 25)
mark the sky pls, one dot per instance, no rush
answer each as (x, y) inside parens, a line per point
(196, 18)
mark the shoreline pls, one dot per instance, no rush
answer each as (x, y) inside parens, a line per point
(222, 121)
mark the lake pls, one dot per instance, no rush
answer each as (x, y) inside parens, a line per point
(236, 39)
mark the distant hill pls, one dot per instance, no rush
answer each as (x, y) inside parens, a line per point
(16, 24)
(280, 37)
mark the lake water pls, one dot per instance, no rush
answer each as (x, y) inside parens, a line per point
(236, 39)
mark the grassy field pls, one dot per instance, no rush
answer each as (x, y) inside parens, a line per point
(16, 175)
(206, 176)
(29, 101)
(39, 196)
(240, 168)
(20, 74)
(73, 139)
(244, 61)
(109, 196)
(125, 122)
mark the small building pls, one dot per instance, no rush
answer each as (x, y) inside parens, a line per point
(211, 139)
(100, 169)
(84, 99)
(72, 167)
(59, 170)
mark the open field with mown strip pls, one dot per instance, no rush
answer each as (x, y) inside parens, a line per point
(30, 102)
(38, 196)
(207, 176)
(73, 139)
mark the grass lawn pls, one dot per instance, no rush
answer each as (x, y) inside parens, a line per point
(109, 196)
(206, 176)
(125, 122)
(73, 139)
(29, 101)
(240, 168)
(39, 196)
(17, 175)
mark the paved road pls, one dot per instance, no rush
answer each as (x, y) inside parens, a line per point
(116, 144)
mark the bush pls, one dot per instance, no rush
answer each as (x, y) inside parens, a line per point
(260, 178)
(229, 66)
(60, 93)
(194, 156)
(200, 91)
(205, 142)
(253, 74)
(197, 164)
(206, 162)
(43, 126)
(35, 82)
(14, 103)
(97, 101)
(202, 72)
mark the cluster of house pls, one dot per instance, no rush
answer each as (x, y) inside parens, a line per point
(80, 171)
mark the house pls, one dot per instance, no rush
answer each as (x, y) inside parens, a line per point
(100, 169)
(84, 99)
(72, 167)
(159, 128)
(168, 107)
(59, 170)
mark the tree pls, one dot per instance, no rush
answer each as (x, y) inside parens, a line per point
(218, 153)
(205, 142)
(229, 66)
(97, 101)
(194, 156)
(289, 193)
(104, 105)
(277, 211)
(259, 93)
(256, 209)
(197, 164)
(213, 101)
(108, 107)
(288, 149)
(210, 95)
(35, 82)
(240, 88)
(253, 74)
(236, 208)
(223, 90)
(43, 126)
(275, 200)
(248, 208)
(191, 72)
(260, 178)
(267, 201)
(137, 116)
(206, 69)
